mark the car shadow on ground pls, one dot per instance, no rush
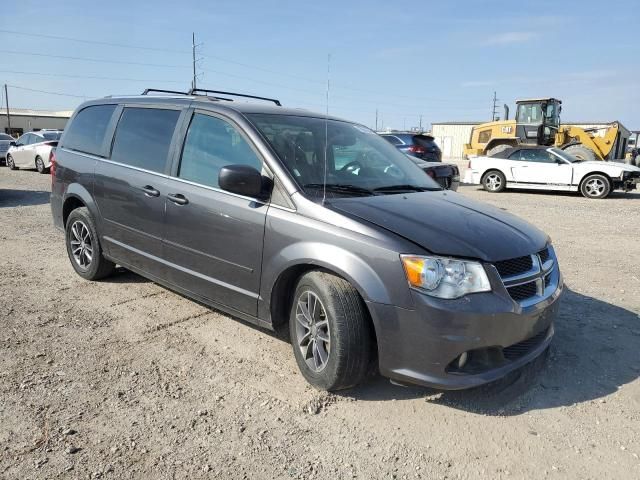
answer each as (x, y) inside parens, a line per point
(559, 193)
(593, 354)
(22, 198)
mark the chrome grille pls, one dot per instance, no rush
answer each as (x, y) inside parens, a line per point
(529, 278)
(515, 266)
(524, 291)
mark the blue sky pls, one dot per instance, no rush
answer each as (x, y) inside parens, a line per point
(442, 60)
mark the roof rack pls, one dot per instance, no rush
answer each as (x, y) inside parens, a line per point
(194, 91)
(156, 90)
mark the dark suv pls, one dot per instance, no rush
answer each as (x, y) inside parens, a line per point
(417, 145)
(318, 226)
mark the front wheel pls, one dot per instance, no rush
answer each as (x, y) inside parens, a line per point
(494, 181)
(595, 186)
(330, 332)
(10, 163)
(83, 247)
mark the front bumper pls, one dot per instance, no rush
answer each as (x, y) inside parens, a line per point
(420, 345)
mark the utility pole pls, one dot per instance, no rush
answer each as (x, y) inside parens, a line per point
(6, 98)
(494, 114)
(376, 119)
(420, 123)
(193, 48)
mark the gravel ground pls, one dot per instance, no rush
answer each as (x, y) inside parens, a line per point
(125, 379)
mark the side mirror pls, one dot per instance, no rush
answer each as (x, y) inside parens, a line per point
(242, 180)
(13, 144)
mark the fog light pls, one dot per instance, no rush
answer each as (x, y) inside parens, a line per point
(462, 360)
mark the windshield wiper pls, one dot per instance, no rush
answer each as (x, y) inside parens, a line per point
(339, 187)
(414, 188)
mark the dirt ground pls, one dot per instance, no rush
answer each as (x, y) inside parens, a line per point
(125, 379)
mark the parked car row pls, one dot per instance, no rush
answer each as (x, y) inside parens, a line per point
(543, 168)
(314, 225)
(32, 150)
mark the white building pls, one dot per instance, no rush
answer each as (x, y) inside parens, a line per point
(451, 136)
(25, 120)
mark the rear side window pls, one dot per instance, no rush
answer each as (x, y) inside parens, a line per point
(211, 144)
(143, 137)
(392, 140)
(87, 130)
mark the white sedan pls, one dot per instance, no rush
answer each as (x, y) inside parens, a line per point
(33, 150)
(543, 168)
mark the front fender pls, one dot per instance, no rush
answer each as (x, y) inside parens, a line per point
(343, 262)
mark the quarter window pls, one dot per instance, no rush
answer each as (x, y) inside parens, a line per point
(392, 139)
(143, 137)
(87, 130)
(211, 144)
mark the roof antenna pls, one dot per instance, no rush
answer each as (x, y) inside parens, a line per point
(326, 132)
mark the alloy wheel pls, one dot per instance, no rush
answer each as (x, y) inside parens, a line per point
(595, 187)
(312, 331)
(81, 246)
(493, 182)
(39, 165)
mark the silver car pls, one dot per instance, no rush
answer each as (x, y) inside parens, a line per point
(5, 143)
(33, 150)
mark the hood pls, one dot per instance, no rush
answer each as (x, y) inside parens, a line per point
(447, 223)
(593, 164)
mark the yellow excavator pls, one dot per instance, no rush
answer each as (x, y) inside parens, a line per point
(537, 122)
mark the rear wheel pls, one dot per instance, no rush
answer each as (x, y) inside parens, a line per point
(494, 181)
(595, 186)
(10, 163)
(581, 152)
(330, 332)
(84, 248)
(40, 165)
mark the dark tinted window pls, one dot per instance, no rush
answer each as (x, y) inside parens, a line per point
(52, 135)
(143, 137)
(392, 140)
(211, 144)
(86, 132)
(4, 136)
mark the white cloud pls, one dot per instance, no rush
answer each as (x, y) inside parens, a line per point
(510, 38)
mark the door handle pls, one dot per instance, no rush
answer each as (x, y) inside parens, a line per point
(149, 191)
(178, 198)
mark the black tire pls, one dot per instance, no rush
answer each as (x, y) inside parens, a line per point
(351, 349)
(97, 266)
(581, 152)
(10, 163)
(494, 181)
(595, 186)
(497, 149)
(40, 165)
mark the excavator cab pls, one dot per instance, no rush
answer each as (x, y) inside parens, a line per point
(538, 120)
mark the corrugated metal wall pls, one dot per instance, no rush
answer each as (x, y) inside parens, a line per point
(451, 138)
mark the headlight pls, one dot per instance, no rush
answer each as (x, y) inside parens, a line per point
(445, 277)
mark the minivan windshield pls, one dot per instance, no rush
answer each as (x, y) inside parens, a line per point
(358, 161)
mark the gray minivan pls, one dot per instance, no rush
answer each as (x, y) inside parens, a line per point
(294, 220)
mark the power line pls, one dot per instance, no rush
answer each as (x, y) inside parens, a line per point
(94, 42)
(91, 77)
(45, 91)
(98, 60)
(246, 65)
